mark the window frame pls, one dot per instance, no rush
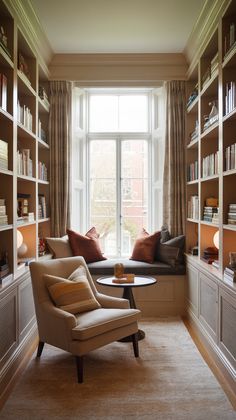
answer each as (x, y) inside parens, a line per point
(80, 188)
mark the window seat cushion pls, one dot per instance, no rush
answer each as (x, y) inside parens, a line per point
(106, 267)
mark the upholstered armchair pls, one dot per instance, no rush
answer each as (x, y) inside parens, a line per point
(78, 333)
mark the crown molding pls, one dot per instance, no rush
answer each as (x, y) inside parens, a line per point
(123, 69)
(203, 30)
(32, 30)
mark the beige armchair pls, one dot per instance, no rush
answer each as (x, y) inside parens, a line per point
(80, 333)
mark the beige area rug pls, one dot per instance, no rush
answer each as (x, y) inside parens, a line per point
(170, 380)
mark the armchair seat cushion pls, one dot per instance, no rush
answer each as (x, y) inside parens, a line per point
(99, 321)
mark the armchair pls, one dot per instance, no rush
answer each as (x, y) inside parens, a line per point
(79, 333)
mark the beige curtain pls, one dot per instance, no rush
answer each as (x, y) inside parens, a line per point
(60, 141)
(174, 166)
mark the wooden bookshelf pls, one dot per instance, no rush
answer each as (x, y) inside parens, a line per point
(211, 299)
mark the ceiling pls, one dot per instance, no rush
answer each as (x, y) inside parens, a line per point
(117, 26)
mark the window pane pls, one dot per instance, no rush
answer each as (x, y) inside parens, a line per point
(103, 192)
(133, 113)
(103, 113)
(134, 188)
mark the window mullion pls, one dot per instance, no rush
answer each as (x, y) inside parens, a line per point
(118, 194)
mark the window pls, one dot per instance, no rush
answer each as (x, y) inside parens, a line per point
(117, 166)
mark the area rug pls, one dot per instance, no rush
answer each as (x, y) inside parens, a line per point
(169, 381)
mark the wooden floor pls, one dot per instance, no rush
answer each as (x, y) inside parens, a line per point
(216, 367)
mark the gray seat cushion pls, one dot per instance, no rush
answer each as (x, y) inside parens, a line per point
(106, 268)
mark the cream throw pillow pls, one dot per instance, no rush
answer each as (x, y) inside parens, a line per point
(73, 295)
(59, 247)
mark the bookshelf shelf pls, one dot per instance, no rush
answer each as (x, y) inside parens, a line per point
(195, 182)
(5, 114)
(6, 172)
(46, 219)
(230, 172)
(192, 220)
(210, 178)
(43, 107)
(193, 144)
(5, 60)
(42, 143)
(21, 225)
(26, 178)
(41, 181)
(230, 227)
(193, 105)
(6, 227)
(203, 222)
(24, 86)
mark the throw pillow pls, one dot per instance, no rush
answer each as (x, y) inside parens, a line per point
(71, 296)
(145, 247)
(86, 245)
(59, 247)
(168, 254)
(177, 242)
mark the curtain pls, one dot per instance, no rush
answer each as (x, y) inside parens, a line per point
(60, 147)
(174, 180)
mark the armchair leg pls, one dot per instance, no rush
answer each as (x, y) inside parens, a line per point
(79, 364)
(40, 348)
(135, 344)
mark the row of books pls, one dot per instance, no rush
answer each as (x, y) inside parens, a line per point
(3, 214)
(3, 91)
(210, 70)
(24, 116)
(192, 171)
(230, 274)
(42, 210)
(41, 132)
(230, 157)
(193, 207)
(232, 214)
(229, 39)
(3, 154)
(211, 214)
(210, 165)
(230, 97)
(42, 171)
(24, 163)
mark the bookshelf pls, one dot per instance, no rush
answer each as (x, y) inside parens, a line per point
(24, 114)
(211, 297)
(24, 176)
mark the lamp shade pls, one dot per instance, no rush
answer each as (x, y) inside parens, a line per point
(216, 239)
(19, 239)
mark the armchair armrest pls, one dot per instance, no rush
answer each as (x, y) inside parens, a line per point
(112, 302)
(55, 325)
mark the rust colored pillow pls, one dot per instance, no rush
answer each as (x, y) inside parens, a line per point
(86, 245)
(145, 247)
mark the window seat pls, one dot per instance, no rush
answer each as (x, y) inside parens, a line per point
(106, 267)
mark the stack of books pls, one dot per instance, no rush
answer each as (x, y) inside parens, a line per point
(210, 165)
(3, 215)
(23, 204)
(210, 254)
(24, 163)
(230, 157)
(230, 97)
(3, 154)
(232, 214)
(193, 207)
(193, 95)
(192, 174)
(24, 116)
(3, 92)
(211, 214)
(230, 274)
(42, 171)
(42, 211)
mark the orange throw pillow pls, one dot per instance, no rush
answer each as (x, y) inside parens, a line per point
(86, 245)
(145, 247)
